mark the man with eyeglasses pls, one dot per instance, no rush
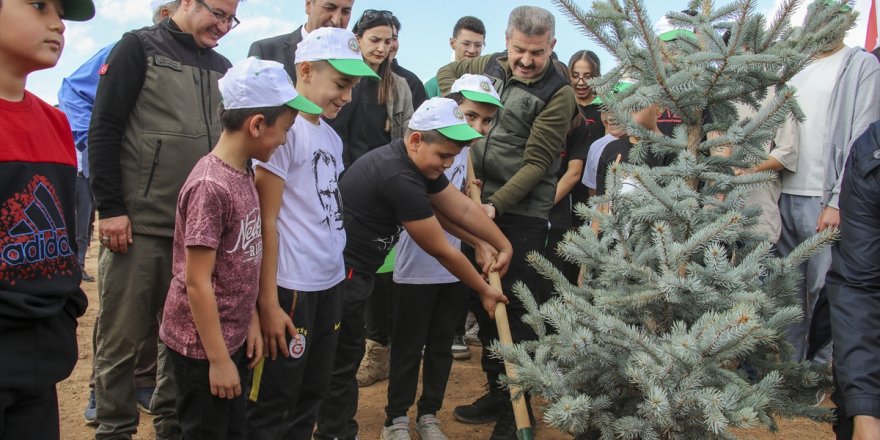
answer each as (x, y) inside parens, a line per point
(155, 115)
(76, 98)
(468, 40)
(319, 13)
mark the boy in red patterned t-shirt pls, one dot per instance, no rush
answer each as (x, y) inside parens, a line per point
(40, 297)
(210, 324)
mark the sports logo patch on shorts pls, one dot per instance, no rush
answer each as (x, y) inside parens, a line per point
(297, 346)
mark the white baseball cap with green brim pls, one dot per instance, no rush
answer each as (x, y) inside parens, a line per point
(477, 88)
(443, 115)
(256, 83)
(338, 47)
(619, 87)
(675, 34)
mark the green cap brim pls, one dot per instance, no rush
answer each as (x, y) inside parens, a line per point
(676, 34)
(460, 132)
(78, 10)
(844, 7)
(354, 68)
(481, 97)
(304, 105)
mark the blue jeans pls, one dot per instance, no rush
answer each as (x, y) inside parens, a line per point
(84, 217)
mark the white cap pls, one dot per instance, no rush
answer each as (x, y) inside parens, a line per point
(255, 83)
(443, 115)
(156, 4)
(477, 88)
(338, 47)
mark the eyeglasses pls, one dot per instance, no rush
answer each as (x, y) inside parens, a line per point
(230, 20)
(469, 44)
(585, 77)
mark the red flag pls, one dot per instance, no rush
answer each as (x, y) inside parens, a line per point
(871, 39)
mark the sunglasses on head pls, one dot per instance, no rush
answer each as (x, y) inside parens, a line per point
(370, 15)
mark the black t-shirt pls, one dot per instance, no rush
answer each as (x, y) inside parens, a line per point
(419, 95)
(667, 121)
(622, 147)
(361, 123)
(379, 192)
(595, 130)
(577, 144)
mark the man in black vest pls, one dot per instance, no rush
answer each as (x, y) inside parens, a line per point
(155, 116)
(321, 13)
(517, 161)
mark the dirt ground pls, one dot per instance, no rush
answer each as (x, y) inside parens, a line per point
(465, 384)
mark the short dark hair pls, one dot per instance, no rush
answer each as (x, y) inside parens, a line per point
(434, 137)
(234, 119)
(470, 23)
(456, 96)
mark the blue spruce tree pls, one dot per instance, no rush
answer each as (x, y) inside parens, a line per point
(679, 288)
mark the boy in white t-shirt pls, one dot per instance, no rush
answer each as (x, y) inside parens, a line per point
(303, 236)
(428, 301)
(210, 325)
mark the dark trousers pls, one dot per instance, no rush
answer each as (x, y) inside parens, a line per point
(287, 392)
(336, 415)
(526, 234)
(35, 358)
(200, 414)
(425, 315)
(84, 217)
(377, 318)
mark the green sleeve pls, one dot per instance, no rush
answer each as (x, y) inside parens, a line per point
(543, 146)
(432, 88)
(454, 70)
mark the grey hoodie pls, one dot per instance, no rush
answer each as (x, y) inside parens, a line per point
(855, 104)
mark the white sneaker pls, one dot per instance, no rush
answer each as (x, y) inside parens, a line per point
(460, 350)
(470, 336)
(428, 428)
(399, 430)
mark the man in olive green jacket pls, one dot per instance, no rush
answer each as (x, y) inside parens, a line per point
(517, 161)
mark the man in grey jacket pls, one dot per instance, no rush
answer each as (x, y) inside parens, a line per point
(836, 113)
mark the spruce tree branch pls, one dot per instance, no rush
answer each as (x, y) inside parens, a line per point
(779, 24)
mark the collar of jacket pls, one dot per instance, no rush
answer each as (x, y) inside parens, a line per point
(184, 38)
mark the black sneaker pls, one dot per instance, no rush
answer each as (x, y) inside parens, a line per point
(86, 277)
(487, 408)
(505, 427)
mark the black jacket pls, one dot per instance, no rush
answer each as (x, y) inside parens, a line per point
(853, 283)
(281, 48)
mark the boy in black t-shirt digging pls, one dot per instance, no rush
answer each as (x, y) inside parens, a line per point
(395, 187)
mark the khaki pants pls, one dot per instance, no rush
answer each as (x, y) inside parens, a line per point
(133, 290)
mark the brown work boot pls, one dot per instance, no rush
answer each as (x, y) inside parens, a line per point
(374, 365)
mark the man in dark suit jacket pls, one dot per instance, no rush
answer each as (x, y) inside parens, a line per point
(321, 13)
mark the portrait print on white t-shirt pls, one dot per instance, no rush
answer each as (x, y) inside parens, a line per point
(324, 169)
